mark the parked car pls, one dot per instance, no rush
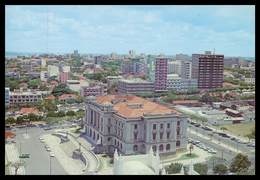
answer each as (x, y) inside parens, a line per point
(33, 125)
(43, 141)
(48, 149)
(46, 146)
(24, 155)
(14, 141)
(225, 135)
(237, 140)
(195, 142)
(40, 138)
(51, 154)
(233, 138)
(73, 125)
(250, 145)
(212, 151)
(47, 128)
(221, 134)
(192, 123)
(207, 148)
(242, 142)
(207, 129)
(215, 132)
(197, 125)
(190, 140)
(202, 146)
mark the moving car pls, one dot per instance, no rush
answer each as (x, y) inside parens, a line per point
(212, 151)
(51, 154)
(24, 155)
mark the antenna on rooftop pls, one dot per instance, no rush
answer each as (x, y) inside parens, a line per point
(214, 51)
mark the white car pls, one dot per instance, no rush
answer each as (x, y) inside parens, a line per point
(48, 149)
(41, 138)
(43, 141)
(212, 151)
(51, 154)
(202, 146)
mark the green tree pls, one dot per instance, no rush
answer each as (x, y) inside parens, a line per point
(19, 120)
(191, 148)
(14, 85)
(202, 169)
(16, 165)
(32, 117)
(70, 101)
(80, 99)
(51, 114)
(43, 87)
(214, 160)
(33, 84)
(106, 149)
(175, 168)
(221, 169)
(250, 136)
(61, 114)
(240, 161)
(70, 113)
(9, 120)
(211, 134)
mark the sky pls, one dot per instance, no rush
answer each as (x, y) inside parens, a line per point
(149, 29)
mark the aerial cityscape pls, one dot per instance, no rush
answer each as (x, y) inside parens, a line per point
(129, 90)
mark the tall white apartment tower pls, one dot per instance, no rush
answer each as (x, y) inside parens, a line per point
(186, 69)
(132, 53)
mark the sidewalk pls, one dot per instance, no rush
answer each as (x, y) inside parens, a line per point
(12, 154)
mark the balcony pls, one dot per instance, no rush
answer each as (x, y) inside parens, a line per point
(161, 130)
(109, 124)
(154, 131)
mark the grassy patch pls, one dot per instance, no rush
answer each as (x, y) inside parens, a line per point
(100, 164)
(242, 128)
(109, 163)
(186, 156)
(7, 170)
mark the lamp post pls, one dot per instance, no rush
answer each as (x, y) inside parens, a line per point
(26, 124)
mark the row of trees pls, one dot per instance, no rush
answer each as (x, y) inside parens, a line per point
(20, 119)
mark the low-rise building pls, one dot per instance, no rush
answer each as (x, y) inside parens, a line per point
(7, 90)
(186, 84)
(113, 79)
(19, 97)
(189, 103)
(96, 89)
(66, 97)
(135, 86)
(173, 82)
(132, 124)
(26, 111)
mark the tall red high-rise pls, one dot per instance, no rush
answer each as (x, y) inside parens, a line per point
(161, 74)
(64, 76)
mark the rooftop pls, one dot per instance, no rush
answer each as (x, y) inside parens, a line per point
(63, 96)
(148, 106)
(51, 97)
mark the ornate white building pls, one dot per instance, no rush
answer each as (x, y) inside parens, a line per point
(132, 124)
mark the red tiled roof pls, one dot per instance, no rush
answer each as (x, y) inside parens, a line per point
(82, 78)
(180, 96)
(232, 93)
(227, 84)
(29, 110)
(44, 82)
(53, 82)
(148, 106)
(185, 101)
(23, 83)
(63, 96)
(50, 97)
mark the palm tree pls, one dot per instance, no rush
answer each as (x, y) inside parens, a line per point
(211, 134)
(191, 148)
(16, 165)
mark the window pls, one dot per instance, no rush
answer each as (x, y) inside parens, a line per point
(161, 136)
(135, 148)
(135, 136)
(168, 147)
(161, 126)
(168, 125)
(135, 126)
(178, 123)
(168, 135)
(178, 143)
(154, 148)
(161, 147)
(115, 142)
(121, 146)
(154, 126)
(108, 130)
(154, 136)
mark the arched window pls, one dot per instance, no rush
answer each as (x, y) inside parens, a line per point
(168, 147)
(161, 147)
(154, 148)
(115, 142)
(135, 148)
(121, 146)
(94, 135)
(178, 143)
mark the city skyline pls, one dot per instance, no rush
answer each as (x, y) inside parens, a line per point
(149, 29)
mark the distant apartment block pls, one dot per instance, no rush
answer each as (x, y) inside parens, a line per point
(12, 74)
(113, 55)
(186, 84)
(182, 57)
(174, 67)
(230, 61)
(186, 69)
(63, 76)
(7, 89)
(248, 80)
(210, 69)
(26, 67)
(161, 74)
(76, 53)
(54, 70)
(133, 67)
(44, 75)
(97, 60)
(19, 97)
(113, 79)
(173, 82)
(135, 86)
(96, 89)
(132, 53)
